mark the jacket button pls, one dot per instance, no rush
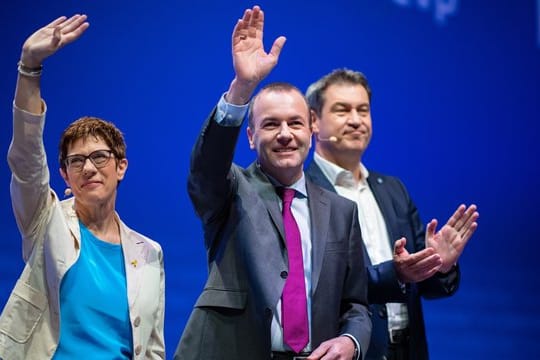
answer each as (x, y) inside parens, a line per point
(382, 311)
(137, 321)
(138, 349)
(284, 274)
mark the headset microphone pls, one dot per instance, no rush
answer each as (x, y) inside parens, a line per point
(332, 139)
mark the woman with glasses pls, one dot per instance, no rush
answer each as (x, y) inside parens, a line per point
(91, 288)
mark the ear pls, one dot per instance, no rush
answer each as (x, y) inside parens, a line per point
(121, 168)
(64, 176)
(314, 121)
(250, 138)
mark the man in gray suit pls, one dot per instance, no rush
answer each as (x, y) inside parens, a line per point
(239, 314)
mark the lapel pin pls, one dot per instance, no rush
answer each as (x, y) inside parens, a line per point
(134, 263)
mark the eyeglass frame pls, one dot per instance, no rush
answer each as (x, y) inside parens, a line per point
(110, 155)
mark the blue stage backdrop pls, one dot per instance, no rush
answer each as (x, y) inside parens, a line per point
(456, 107)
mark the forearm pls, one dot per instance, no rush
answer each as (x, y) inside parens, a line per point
(209, 180)
(30, 191)
(384, 284)
(27, 90)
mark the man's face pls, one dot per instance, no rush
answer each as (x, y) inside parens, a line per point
(281, 134)
(345, 115)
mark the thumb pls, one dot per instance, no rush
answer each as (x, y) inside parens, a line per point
(278, 46)
(399, 245)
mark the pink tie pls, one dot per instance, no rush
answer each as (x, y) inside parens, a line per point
(293, 303)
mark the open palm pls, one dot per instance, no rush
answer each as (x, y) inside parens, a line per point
(47, 40)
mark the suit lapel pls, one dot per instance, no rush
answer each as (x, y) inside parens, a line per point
(376, 184)
(268, 195)
(319, 208)
(315, 174)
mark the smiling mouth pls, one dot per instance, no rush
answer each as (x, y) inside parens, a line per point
(90, 183)
(284, 150)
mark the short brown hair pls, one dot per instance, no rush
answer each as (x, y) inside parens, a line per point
(315, 92)
(89, 126)
(275, 87)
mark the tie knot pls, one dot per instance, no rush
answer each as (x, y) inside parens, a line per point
(287, 194)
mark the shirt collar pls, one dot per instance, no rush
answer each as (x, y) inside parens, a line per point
(299, 185)
(336, 174)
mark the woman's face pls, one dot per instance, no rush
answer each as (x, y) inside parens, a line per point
(94, 176)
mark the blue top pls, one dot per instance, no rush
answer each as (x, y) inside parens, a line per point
(94, 310)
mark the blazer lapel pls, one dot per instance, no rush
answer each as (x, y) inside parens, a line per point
(135, 257)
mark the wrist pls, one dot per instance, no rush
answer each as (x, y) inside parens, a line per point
(29, 60)
(239, 92)
(445, 271)
(29, 71)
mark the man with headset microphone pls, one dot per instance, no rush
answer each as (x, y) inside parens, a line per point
(408, 261)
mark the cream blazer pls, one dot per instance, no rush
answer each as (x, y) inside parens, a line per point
(29, 323)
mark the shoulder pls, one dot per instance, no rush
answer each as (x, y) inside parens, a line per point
(132, 237)
(379, 179)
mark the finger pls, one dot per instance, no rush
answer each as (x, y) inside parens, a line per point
(278, 46)
(430, 228)
(73, 23)
(399, 245)
(452, 221)
(421, 270)
(470, 212)
(419, 256)
(471, 215)
(256, 24)
(427, 265)
(56, 22)
(469, 232)
(75, 34)
(318, 352)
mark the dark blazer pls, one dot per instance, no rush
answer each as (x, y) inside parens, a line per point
(402, 219)
(247, 258)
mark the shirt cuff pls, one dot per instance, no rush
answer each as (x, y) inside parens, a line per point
(357, 353)
(229, 114)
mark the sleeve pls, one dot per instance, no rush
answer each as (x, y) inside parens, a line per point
(229, 114)
(211, 181)
(31, 195)
(355, 319)
(156, 344)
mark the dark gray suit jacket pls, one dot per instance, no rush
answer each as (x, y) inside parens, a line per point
(402, 219)
(247, 258)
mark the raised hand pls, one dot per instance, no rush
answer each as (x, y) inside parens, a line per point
(251, 63)
(450, 241)
(47, 40)
(417, 266)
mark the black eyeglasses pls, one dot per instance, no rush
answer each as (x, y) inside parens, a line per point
(99, 158)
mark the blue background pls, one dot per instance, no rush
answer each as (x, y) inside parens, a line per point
(455, 111)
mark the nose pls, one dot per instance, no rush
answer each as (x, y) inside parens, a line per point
(354, 118)
(284, 134)
(88, 165)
